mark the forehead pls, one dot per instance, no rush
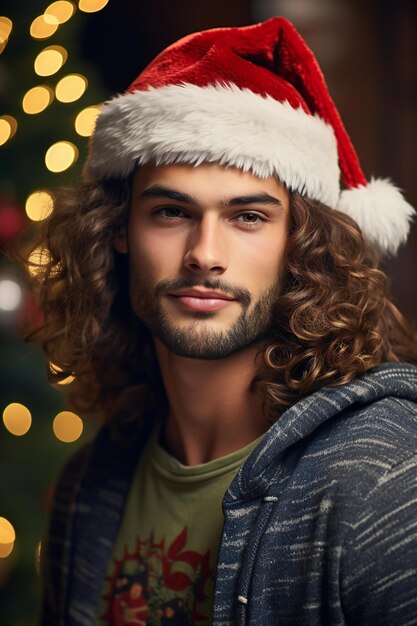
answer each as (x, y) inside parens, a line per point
(208, 182)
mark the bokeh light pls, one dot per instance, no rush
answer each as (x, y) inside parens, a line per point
(11, 295)
(7, 532)
(62, 10)
(6, 549)
(60, 156)
(7, 537)
(71, 88)
(91, 6)
(44, 26)
(86, 120)
(55, 368)
(50, 60)
(17, 419)
(8, 127)
(37, 99)
(38, 551)
(37, 259)
(39, 205)
(6, 26)
(67, 426)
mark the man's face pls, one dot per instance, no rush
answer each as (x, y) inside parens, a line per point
(207, 228)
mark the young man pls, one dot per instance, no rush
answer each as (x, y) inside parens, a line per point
(219, 298)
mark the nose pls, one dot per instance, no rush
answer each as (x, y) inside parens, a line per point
(206, 247)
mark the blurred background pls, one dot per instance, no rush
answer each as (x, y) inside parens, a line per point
(58, 62)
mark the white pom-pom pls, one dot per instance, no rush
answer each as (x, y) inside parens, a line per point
(381, 211)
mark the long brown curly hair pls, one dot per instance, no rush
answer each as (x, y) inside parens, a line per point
(333, 321)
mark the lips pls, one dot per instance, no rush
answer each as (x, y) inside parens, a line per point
(199, 300)
(196, 293)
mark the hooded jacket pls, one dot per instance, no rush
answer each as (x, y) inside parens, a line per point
(320, 522)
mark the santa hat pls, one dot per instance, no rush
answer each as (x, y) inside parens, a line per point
(254, 98)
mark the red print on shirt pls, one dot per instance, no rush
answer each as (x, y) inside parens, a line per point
(157, 586)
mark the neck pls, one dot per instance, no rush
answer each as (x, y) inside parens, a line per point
(213, 411)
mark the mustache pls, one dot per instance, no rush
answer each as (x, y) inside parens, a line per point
(238, 293)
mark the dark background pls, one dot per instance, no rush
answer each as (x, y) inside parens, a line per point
(368, 52)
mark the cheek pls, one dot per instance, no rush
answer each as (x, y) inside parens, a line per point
(263, 261)
(147, 249)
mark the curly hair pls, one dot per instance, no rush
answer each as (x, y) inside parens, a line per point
(333, 321)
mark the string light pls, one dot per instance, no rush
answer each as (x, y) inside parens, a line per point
(8, 127)
(71, 88)
(44, 26)
(91, 6)
(60, 156)
(17, 419)
(67, 426)
(50, 60)
(55, 369)
(10, 295)
(39, 205)
(37, 259)
(62, 10)
(86, 120)
(37, 99)
(7, 537)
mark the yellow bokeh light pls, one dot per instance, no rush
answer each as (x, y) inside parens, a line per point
(39, 205)
(62, 10)
(6, 549)
(55, 368)
(60, 156)
(6, 26)
(67, 426)
(71, 87)
(44, 26)
(91, 6)
(17, 419)
(86, 120)
(50, 60)
(7, 532)
(37, 99)
(8, 127)
(7, 538)
(37, 259)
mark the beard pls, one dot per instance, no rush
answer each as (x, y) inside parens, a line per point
(197, 340)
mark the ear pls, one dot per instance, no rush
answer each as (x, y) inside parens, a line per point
(120, 242)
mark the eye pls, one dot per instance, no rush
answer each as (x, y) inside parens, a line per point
(171, 213)
(254, 219)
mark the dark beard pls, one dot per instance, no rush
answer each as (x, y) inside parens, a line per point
(197, 342)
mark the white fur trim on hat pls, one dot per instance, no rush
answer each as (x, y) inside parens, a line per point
(381, 211)
(217, 123)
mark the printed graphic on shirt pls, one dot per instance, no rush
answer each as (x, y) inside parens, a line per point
(158, 585)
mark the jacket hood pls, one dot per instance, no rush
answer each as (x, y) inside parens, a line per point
(398, 380)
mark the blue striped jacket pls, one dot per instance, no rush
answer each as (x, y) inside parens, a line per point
(320, 523)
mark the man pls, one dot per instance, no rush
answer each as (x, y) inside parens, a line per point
(220, 300)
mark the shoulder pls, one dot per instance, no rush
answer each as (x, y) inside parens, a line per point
(73, 469)
(369, 438)
(64, 494)
(359, 459)
(54, 554)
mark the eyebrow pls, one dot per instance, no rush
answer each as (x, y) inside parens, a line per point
(160, 191)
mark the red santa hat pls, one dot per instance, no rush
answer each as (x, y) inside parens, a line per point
(254, 98)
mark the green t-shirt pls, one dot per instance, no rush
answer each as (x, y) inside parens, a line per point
(163, 563)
